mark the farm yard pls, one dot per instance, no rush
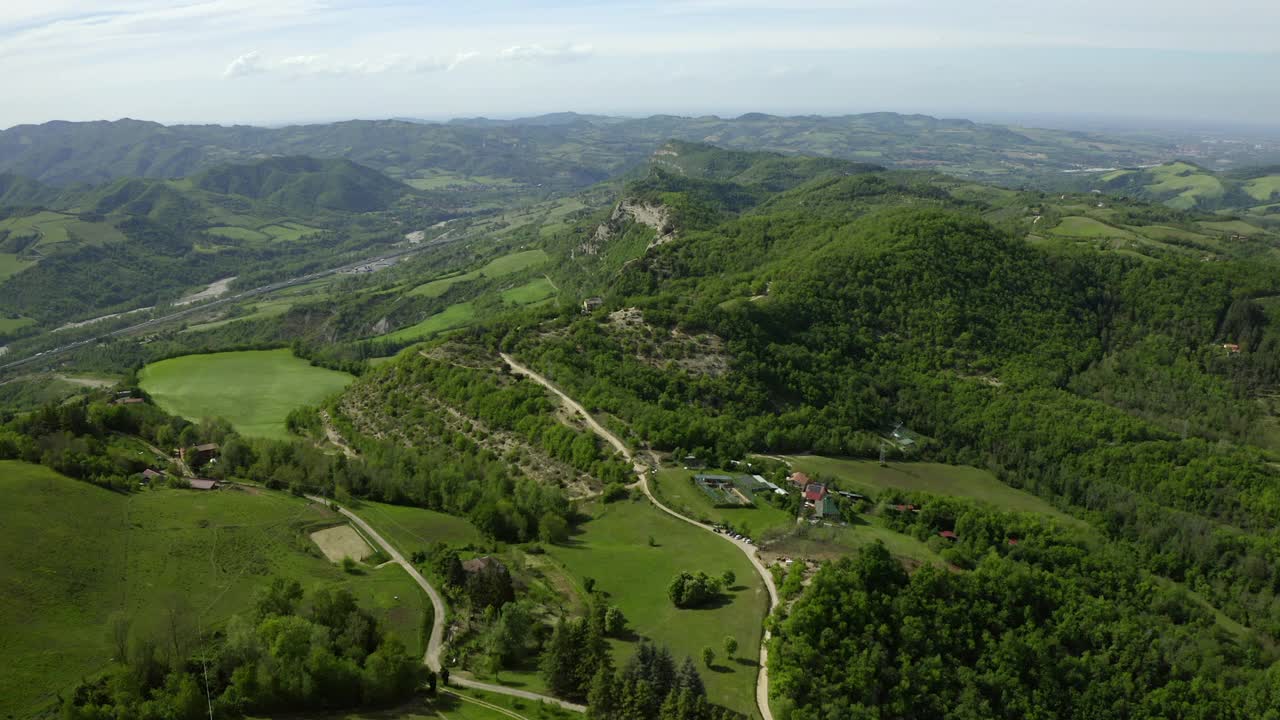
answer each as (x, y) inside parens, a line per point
(200, 555)
(679, 489)
(268, 385)
(614, 549)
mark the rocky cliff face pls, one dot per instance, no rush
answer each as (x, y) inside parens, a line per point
(656, 216)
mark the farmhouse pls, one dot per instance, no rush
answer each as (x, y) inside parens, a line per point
(799, 479)
(592, 304)
(1231, 348)
(199, 453)
(948, 534)
(149, 475)
(815, 492)
(483, 564)
(198, 484)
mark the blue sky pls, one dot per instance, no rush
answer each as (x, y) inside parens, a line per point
(277, 61)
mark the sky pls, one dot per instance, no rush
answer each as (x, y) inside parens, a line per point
(288, 61)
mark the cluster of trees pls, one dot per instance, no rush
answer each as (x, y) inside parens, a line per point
(1045, 636)
(651, 687)
(333, 656)
(692, 590)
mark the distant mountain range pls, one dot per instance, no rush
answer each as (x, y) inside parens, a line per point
(561, 150)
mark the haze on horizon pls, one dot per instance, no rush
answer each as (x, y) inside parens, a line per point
(279, 61)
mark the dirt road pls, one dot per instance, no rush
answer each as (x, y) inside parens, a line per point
(642, 470)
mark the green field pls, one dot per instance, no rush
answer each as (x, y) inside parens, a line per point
(254, 390)
(868, 476)
(1232, 226)
(1190, 183)
(231, 232)
(613, 548)
(411, 529)
(496, 268)
(1083, 227)
(76, 554)
(531, 292)
(287, 231)
(676, 489)
(11, 264)
(832, 542)
(454, 316)
(53, 228)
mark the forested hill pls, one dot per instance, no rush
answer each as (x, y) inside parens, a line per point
(561, 151)
(1123, 381)
(301, 185)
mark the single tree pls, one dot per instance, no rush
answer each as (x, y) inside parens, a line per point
(708, 656)
(729, 578)
(730, 647)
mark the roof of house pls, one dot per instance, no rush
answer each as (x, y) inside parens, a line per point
(828, 506)
(948, 534)
(149, 474)
(799, 478)
(208, 447)
(815, 492)
(198, 484)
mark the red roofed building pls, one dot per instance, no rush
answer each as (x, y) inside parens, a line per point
(1013, 541)
(799, 479)
(814, 492)
(948, 534)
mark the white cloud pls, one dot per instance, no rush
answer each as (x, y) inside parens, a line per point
(305, 65)
(249, 63)
(543, 53)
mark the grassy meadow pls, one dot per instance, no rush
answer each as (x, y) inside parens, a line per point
(613, 548)
(254, 390)
(413, 528)
(77, 554)
(496, 268)
(534, 291)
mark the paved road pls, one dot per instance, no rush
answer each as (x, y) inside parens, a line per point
(432, 656)
(642, 470)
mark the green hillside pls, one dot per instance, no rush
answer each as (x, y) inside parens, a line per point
(1186, 186)
(79, 556)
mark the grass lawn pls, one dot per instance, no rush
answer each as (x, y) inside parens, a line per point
(454, 316)
(531, 292)
(613, 548)
(1232, 226)
(11, 264)
(953, 480)
(254, 390)
(438, 287)
(676, 488)
(77, 554)
(269, 309)
(287, 231)
(412, 528)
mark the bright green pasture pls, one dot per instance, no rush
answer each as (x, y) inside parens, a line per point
(254, 390)
(75, 555)
(614, 549)
(868, 476)
(232, 232)
(677, 490)
(531, 292)
(454, 316)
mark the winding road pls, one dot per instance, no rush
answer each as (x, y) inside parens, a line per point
(642, 471)
(432, 656)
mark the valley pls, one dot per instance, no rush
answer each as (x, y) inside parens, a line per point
(663, 431)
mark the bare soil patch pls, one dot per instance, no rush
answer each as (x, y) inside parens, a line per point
(341, 542)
